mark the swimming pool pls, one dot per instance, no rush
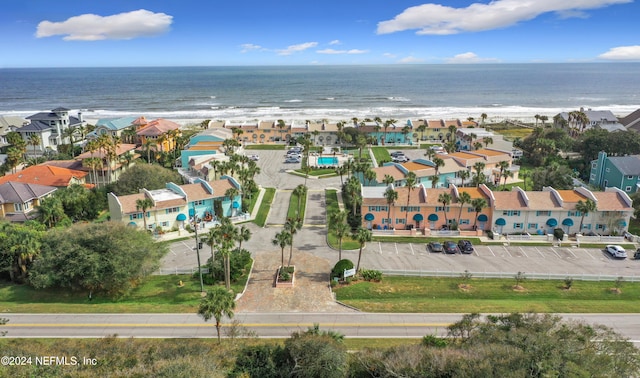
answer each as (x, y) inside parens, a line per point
(327, 160)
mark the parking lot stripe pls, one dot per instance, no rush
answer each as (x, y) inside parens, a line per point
(491, 250)
(540, 252)
(412, 252)
(571, 252)
(396, 245)
(586, 251)
(380, 247)
(554, 251)
(507, 250)
(523, 252)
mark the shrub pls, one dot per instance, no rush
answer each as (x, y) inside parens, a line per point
(434, 341)
(239, 263)
(340, 267)
(558, 233)
(568, 282)
(371, 275)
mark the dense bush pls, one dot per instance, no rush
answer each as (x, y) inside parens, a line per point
(240, 262)
(340, 267)
(371, 275)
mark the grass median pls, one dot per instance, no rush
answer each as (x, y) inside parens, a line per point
(331, 198)
(265, 205)
(444, 295)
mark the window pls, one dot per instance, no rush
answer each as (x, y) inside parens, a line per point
(511, 213)
(532, 226)
(172, 210)
(198, 203)
(594, 165)
(593, 177)
(627, 189)
(410, 208)
(517, 226)
(165, 224)
(607, 170)
(586, 226)
(471, 210)
(629, 177)
(600, 226)
(17, 206)
(136, 216)
(545, 213)
(464, 221)
(399, 220)
(378, 208)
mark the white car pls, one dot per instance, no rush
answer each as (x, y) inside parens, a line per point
(254, 157)
(616, 251)
(400, 159)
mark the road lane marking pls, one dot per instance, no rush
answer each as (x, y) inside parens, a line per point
(256, 325)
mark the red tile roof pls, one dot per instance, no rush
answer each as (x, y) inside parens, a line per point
(158, 127)
(46, 175)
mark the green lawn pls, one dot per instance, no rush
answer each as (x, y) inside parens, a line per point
(265, 147)
(381, 154)
(292, 212)
(263, 211)
(443, 295)
(157, 294)
(634, 226)
(328, 172)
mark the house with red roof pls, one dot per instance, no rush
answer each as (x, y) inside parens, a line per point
(161, 131)
(48, 175)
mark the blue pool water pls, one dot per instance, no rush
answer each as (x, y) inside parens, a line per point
(327, 161)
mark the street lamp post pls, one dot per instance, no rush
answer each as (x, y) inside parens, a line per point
(195, 227)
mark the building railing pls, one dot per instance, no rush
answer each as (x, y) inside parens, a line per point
(530, 276)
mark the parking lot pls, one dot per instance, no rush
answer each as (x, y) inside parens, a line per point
(498, 258)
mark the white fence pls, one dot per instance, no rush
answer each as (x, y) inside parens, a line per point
(165, 271)
(600, 239)
(445, 233)
(530, 276)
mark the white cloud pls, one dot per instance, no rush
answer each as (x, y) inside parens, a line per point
(622, 53)
(470, 57)
(411, 59)
(246, 47)
(335, 42)
(297, 48)
(92, 27)
(335, 52)
(389, 55)
(438, 19)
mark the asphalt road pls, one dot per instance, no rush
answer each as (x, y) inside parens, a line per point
(360, 325)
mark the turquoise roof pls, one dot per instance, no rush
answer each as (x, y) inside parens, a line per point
(116, 123)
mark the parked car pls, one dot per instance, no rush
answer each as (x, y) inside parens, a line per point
(396, 154)
(254, 157)
(400, 159)
(465, 246)
(292, 160)
(636, 256)
(434, 247)
(616, 251)
(296, 149)
(451, 247)
(294, 156)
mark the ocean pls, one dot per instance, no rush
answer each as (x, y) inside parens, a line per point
(324, 92)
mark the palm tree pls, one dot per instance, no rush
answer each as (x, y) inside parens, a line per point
(50, 211)
(463, 198)
(370, 176)
(391, 196)
(34, 140)
(211, 239)
(487, 141)
(362, 235)
(438, 162)
(292, 226)
(300, 191)
(231, 193)
(388, 180)
(503, 165)
(421, 129)
(452, 133)
(544, 119)
(148, 143)
(411, 181)
(537, 117)
(144, 204)
(445, 200)
(477, 145)
(340, 228)
(483, 117)
(219, 302)
(281, 125)
(479, 176)
(478, 204)
(524, 175)
(506, 174)
(353, 189)
(244, 234)
(282, 240)
(585, 207)
(341, 170)
(434, 180)
(227, 236)
(463, 174)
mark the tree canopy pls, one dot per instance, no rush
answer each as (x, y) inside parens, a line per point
(108, 258)
(147, 176)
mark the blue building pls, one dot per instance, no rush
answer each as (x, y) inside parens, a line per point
(622, 172)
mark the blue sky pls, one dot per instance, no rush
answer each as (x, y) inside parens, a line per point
(74, 33)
